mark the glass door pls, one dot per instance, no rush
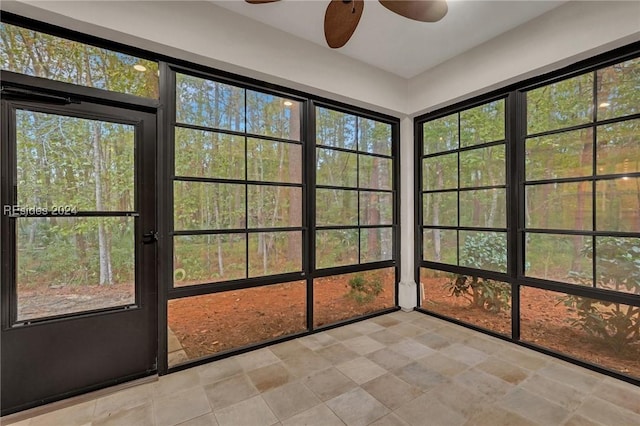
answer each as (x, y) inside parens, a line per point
(79, 296)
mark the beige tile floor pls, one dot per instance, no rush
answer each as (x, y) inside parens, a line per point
(397, 369)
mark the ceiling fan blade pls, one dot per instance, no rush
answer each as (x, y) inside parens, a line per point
(261, 1)
(418, 10)
(341, 20)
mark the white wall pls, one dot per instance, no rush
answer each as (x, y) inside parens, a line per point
(574, 31)
(407, 296)
(207, 34)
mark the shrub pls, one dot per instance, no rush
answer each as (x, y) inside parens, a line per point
(364, 290)
(618, 268)
(483, 293)
(483, 251)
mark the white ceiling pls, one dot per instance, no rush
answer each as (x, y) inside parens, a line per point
(396, 44)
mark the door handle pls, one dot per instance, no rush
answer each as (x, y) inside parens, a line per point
(150, 237)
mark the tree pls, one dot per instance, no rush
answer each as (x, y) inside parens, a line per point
(53, 166)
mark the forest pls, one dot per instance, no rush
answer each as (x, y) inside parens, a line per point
(579, 219)
(239, 180)
(239, 185)
(575, 181)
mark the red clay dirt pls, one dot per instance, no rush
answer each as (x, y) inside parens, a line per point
(222, 321)
(213, 323)
(544, 321)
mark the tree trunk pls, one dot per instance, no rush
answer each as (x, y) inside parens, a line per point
(436, 214)
(106, 275)
(295, 172)
(373, 213)
(216, 205)
(585, 158)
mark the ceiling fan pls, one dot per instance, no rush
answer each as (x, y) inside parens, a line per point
(342, 16)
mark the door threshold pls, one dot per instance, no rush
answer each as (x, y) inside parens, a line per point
(74, 400)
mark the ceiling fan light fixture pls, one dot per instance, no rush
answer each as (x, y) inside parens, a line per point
(417, 10)
(342, 16)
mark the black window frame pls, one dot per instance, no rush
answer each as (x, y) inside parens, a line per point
(458, 189)
(358, 189)
(164, 108)
(173, 123)
(516, 134)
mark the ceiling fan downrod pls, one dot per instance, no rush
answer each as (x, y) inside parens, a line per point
(353, 10)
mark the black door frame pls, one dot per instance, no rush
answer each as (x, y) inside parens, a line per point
(43, 95)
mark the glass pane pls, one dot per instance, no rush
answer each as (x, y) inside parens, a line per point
(479, 301)
(341, 297)
(336, 168)
(209, 103)
(440, 172)
(374, 136)
(619, 148)
(208, 154)
(204, 205)
(565, 258)
(272, 253)
(200, 259)
(242, 318)
(560, 206)
(484, 123)
(67, 265)
(563, 104)
(336, 248)
(271, 206)
(440, 134)
(375, 172)
(618, 88)
(484, 250)
(66, 161)
(440, 245)
(336, 207)
(376, 208)
(440, 209)
(618, 205)
(335, 128)
(561, 155)
(42, 55)
(482, 167)
(484, 208)
(270, 115)
(376, 244)
(618, 264)
(274, 161)
(591, 330)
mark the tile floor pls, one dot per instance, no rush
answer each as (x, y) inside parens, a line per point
(397, 369)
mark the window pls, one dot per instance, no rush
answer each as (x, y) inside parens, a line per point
(38, 54)
(582, 180)
(354, 190)
(538, 193)
(464, 188)
(354, 216)
(238, 185)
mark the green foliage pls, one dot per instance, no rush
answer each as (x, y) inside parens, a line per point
(484, 250)
(483, 293)
(364, 290)
(43, 55)
(562, 104)
(618, 268)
